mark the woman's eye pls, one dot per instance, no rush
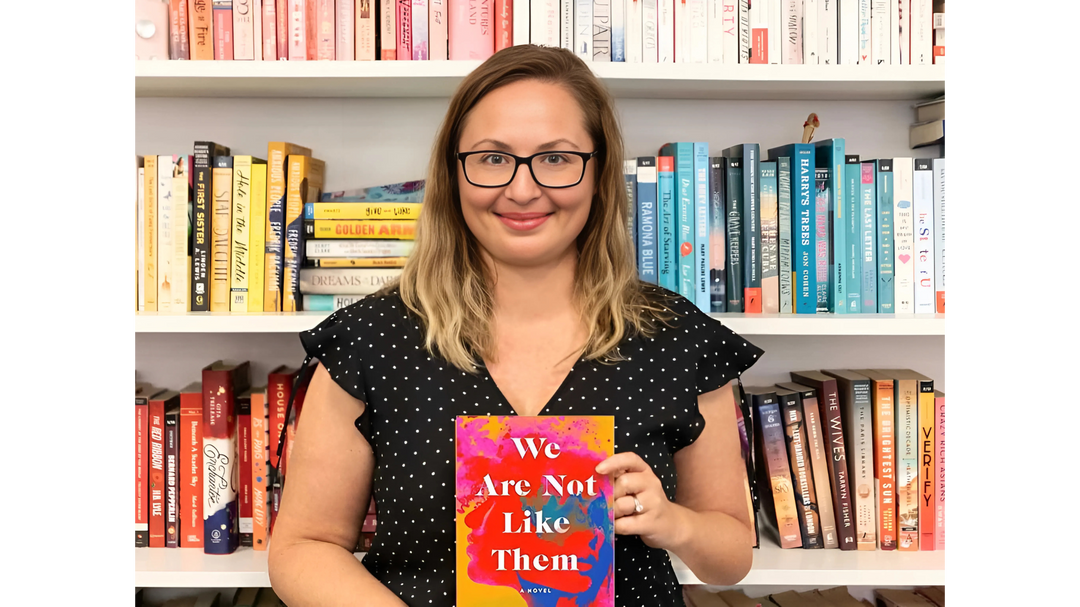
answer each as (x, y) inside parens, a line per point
(554, 159)
(493, 159)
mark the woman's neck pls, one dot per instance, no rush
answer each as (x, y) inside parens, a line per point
(535, 292)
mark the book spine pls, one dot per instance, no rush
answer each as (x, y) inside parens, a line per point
(730, 25)
(404, 30)
(166, 234)
(849, 31)
(714, 29)
(357, 248)
(752, 227)
(419, 30)
(257, 235)
(178, 30)
(646, 218)
(283, 17)
(244, 487)
(365, 26)
(325, 30)
(885, 461)
(775, 462)
(566, 33)
(172, 445)
(838, 467)
(360, 228)
(140, 222)
(883, 179)
(684, 184)
(157, 474)
(472, 35)
(869, 244)
(939, 469)
(298, 30)
(735, 232)
(221, 233)
(329, 303)
(142, 472)
(880, 24)
(682, 31)
(901, 31)
(257, 20)
(260, 453)
(819, 454)
(183, 203)
(923, 202)
(388, 30)
(223, 30)
(542, 22)
(220, 532)
(744, 31)
(243, 24)
(927, 486)
(783, 174)
(811, 50)
(717, 242)
(776, 31)
(922, 33)
(791, 50)
(345, 29)
(240, 234)
(601, 30)
(821, 237)
(583, 29)
(348, 262)
(803, 222)
(852, 225)
(634, 35)
(939, 235)
(665, 33)
(837, 225)
(770, 266)
(667, 247)
(860, 452)
(903, 237)
(828, 40)
(907, 439)
(276, 190)
(864, 33)
(311, 30)
(191, 467)
(701, 226)
(759, 32)
(803, 481)
(698, 31)
(504, 24)
(305, 181)
(202, 179)
(346, 281)
(362, 210)
(201, 26)
(650, 31)
(269, 39)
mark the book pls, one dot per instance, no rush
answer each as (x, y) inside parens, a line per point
(717, 240)
(939, 465)
(934, 594)
(268, 27)
(922, 186)
(402, 192)
(362, 210)
(223, 30)
(927, 451)
(770, 245)
(683, 153)
(892, 597)
(334, 248)
(221, 382)
(667, 242)
(771, 464)
(172, 457)
(804, 268)
(526, 477)
(734, 204)
(277, 156)
(829, 401)
(818, 450)
(221, 234)
(364, 32)
(345, 281)
(143, 393)
(178, 30)
(257, 236)
(353, 262)
(903, 237)
(260, 454)
(201, 27)
(858, 420)
(701, 222)
(240, 244)
(784, 244)
(472, 32)
(387, 18)
(168, 228)
(191, 466)
(280, 382)
(852, 221)
(751, 221)
(305, 181)
(883, 199)
(884, 413)
(244, 500)
(140, 227)
(328, 303)
(150, 237)
(404, 229)
(157, 406)
(799, 460)
(822, 246)
(645, 194)
(201, 225)
(830, 153)
(868, 241)
(939, 234)
(243, 30)
(906, 394)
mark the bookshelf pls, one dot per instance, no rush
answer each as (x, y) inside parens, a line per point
(373, 123)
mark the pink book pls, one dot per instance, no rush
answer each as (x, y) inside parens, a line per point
(223, 30)
(419, 29)
(404, 30)
(939, 459)
(243, 17)
(438, 49)
(365, 30)
(471, 35)
(311, 29)
(387, 29)
(297, 30)
(282, 18)
(345, 37)
(504, 24)
(269, 30)
(325, 35)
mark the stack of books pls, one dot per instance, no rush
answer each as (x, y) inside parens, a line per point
(927, 596)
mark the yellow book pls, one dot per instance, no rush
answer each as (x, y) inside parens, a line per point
(306, 177)
(927, 488)
(240, 256)
(150, 234)
(363, 210)
(257, 246)
(383, 229)
(221, 234)
(277, 156)
(140, 244)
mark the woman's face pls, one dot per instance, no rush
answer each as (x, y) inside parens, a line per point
(524, 224)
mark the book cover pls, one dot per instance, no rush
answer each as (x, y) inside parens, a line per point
(438, 34)
(223, 30)
(852, 225)
(221, 382)
(143, 392)
(667, 244)
(311, 30)
(182, 203)
(858, 420)
(260, 461)
(822, 194)
(345, 281)
(831, 153)
(770, 245)
(701, 226)
(326, 30)
(869, 237)
(883, 409)
(683, 153)
(829, 402)
(939, 234)
(240, 232)
(751, 221)
(167, 228)
(156, 408)
(601, 31)
(783, 218)
(191, 466)
(645, 194)
(534, 521)
(903, 237)
(140, 244)
(927, 451)
(630, 183)
(278, 153)
(283, 17)
(923, 202)
(383, 229)
(717, 240)
(387, 18)
(365, 31)
(818, 449)
(828, 38)
(886, 287)
(849, 32)
(771, 463)
(178, 30)
(257, 236)
(734, 204)
(799, 460)
(245, 501)
(221, 234)
(759, 32)
(403, 192)
(201, 225)
(404, 30)
(357, 248)
(305, 181)
(906, 394)
(280, 383)
(741, 420)
(864, 33)
(939, 466)
(172, 456)
(298, 29)
(472, 31)
(201, 26)
(792, 22)
(803, 222)
(243, 24)
(362, 210)
(268, 34)
(880, 32)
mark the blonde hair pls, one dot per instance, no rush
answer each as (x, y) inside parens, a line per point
(445, 281)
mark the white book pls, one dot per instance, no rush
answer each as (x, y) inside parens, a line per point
(682, 32)
(665, 27)
(714, 27)
(730, 26)
(522, 22)
(791, 48)
(699, 30)
(903, 237)
(257, 11)
(181, 266)
(438, 30)
(775, 11)
(744, 31)
(633, 31)
(827, 25)
(810, 50)
(140, 216)
(601, 30)
(880, 24)
(923, 194)
(759, 32)
(364, 31)
(544, 22)
(419, 34)
(849, 32)
(939, 232)
(243, 30)
(896, 32)
(583, 26)
(650, 24)
(864, 33)
(618, 30)
(166, 219)
(566, 24)
(922, 33)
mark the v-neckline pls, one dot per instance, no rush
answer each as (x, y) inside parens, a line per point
(545, 410)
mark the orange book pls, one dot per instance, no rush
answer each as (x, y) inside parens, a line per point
(906, 396)
(201, 29)
(311, 30)
(276, 183)
(260, 453)
(191, 464)
(774, 473)
(884, 412)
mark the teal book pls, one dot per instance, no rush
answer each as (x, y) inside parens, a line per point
(770, 245)
(803, 223)
(667, 244)
(749, 153)
(783, 215)
(830, 153)
(734, 200)
(852, 301)
(702, 295)
(868, 240)
(683, 152)
(886, 284)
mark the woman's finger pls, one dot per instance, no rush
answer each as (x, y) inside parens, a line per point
(633, 483)
(621, 463)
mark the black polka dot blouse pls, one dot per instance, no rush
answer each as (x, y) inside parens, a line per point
(374, 350)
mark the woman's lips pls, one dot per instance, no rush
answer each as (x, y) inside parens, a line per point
(523, 221)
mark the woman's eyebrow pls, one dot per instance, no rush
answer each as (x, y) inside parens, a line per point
(499, 145)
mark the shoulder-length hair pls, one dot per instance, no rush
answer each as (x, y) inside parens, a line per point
(445, 281)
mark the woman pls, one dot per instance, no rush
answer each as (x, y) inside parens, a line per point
(521, 297)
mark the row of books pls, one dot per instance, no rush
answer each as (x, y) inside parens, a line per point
(812, 229)
(926, 596)
(240, 597)
(849, 459)
(896, 32)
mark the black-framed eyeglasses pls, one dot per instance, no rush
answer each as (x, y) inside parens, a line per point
(551, 169)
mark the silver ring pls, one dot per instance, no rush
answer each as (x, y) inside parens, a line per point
(638, 508)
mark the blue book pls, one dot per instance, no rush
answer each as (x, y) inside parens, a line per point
(701, 227)
(630, 181)
(717, 237)
(783, 216)
(683, 152)
(667, 247)
(646, 218)
(406, 191)
(734, 203)
(829, 153)
(868, 239)
(853, 217)
(770, 246)
(886, 286)
(804, 276)
(749, 153)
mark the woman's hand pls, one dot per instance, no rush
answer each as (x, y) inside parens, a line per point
(659, 520)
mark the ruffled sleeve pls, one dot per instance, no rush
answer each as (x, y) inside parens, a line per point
(724, 354)
(335, 343)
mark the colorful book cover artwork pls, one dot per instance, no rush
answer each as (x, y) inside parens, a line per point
(535, 523)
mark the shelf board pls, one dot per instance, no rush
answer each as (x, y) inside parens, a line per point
(743, 324)
(190, 568)
(391, 79)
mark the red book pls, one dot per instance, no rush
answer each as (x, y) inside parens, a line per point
(223, 39)
(279, 388)
(404, 30)
(221, 382)
(243, 428)
(143, 392)
(311, 25)
(172, 454)
(504, 24)
(191, 463)
(157, 406)
(178, 30)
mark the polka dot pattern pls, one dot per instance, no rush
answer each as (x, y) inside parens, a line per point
(374, 350)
